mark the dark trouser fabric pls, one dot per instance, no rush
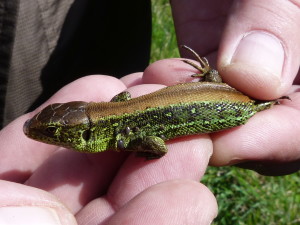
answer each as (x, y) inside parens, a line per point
(95, 37)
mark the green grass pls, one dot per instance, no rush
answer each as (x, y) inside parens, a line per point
(164, 44)
(243, 196)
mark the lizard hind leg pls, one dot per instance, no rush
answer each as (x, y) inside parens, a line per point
(150, 147)
(203, 66)
(208, 74)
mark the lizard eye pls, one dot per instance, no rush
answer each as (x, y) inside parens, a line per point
(86, 135)
(50, 131)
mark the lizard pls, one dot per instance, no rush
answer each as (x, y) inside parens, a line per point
(143, 124)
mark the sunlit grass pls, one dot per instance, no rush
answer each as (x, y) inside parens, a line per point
(164, 43)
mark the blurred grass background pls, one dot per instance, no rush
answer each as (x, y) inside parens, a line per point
(244, 197)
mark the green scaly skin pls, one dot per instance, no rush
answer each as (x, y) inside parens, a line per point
(74, 124)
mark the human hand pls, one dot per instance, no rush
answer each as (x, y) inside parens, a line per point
(259, 54)
(50, 183)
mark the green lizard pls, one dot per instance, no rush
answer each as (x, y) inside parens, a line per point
(143, 124)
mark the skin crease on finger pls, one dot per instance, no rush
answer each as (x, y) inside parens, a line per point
(181, 201)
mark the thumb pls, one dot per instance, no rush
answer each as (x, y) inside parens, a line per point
(20, 204)
(259, 52)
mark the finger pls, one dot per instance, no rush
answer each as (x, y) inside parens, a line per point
(19, 155)
(21, 204)
(172, 202)
(169, 72)
(132, 79)
(269, 136)
(199, 24)
(89, 88)
(77, 178)
(259, 52)
(187, 158)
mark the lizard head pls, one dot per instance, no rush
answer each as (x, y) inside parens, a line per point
(62, 124)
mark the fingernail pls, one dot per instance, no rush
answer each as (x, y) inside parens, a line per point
(28, 215)
(262, 51)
